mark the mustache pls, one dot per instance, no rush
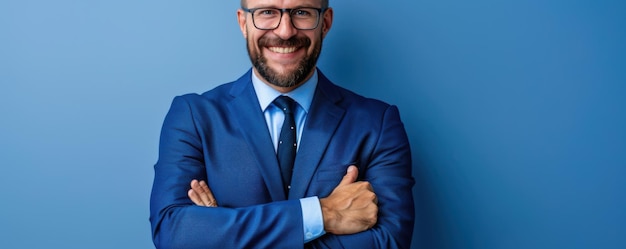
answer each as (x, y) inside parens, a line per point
(291, 42)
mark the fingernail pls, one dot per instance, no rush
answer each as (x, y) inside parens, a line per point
(351, 168)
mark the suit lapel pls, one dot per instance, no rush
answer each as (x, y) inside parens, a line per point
(245, 109)
(322, 120)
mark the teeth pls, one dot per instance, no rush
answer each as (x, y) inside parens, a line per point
(282, 50)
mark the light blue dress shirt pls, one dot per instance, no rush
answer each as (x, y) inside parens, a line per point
(313, 221)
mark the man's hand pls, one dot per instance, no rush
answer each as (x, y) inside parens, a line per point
(351, 207)
(201, 195)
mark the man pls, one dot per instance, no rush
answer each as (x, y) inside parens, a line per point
(324, 168)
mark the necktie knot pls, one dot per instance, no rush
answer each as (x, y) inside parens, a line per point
(285, 103)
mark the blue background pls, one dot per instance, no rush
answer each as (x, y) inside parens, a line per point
(515, 111)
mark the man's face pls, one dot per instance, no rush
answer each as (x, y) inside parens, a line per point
(284, 57)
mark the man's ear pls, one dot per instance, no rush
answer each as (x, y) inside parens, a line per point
(327, 21)
(241, 18)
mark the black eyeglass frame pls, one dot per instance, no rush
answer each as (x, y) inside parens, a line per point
(320, 12)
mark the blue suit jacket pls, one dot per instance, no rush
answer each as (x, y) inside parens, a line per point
(221, 136)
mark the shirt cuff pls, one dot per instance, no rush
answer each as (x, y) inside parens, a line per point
(312, 219)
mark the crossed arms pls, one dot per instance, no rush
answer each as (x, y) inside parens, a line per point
(374, 212)
(350, 208)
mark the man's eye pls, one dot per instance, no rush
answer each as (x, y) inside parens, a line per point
(267, 12)
(302, 13)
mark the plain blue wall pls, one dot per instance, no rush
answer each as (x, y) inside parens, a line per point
(515, 110)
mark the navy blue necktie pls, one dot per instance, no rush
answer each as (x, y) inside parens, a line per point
(287, 141)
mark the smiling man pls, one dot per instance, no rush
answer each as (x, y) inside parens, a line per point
(282, 157)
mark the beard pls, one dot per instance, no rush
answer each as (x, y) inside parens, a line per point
(288, 78)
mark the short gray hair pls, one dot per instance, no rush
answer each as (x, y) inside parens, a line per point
(324, 3)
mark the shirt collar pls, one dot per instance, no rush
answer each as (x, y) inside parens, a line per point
(303, 94)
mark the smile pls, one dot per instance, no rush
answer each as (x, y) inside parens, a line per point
(283, 50)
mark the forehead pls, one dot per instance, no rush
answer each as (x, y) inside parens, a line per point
(283, 3)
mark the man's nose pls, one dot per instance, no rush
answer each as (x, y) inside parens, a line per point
(286, 29)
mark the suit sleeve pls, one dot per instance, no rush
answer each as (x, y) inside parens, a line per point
(178, 223)
(389, 171)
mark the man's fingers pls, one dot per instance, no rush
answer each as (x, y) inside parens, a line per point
(195, 193)
(208, 199)
(201, 195)
(350, 176)
(194, 197)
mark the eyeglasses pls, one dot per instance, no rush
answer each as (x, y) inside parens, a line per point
(301, 18)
